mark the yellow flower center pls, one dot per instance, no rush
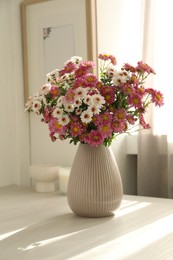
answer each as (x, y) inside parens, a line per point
(108, 97)
(136, 100)
(105, 128)
(90, 79)
(76, 129)
(120, 115)
(58, 126)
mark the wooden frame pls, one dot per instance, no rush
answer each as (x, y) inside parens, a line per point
(90, 29)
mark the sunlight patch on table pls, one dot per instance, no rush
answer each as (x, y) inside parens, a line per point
(132, 242)
(8, 234)
(46, 242)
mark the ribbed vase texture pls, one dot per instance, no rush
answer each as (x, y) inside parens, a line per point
(94, 187)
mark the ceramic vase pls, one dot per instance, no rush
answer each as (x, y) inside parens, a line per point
(94, 186)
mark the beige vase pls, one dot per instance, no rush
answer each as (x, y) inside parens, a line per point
(94, 187)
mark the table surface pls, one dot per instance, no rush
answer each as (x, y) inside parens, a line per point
(42, 226)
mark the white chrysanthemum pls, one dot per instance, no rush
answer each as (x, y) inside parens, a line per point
(77, 102)
(64, 120)
(60, 101)
(94, 109)
(111, 70)
(68, 107)
(98, 100)
(88, 100)
(119, 78)
(28, 104)
(74, 59)
(53, 75)
(44, 100)
(78, 111)
(81, 92)
(86, 116)
(45, 89)
(39, 97)
(57, 112)
(36, 106)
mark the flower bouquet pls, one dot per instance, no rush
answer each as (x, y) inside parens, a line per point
(78, 105)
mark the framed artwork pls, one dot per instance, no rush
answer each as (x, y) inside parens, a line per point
(52, 32)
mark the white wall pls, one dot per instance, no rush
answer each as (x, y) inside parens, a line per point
(119, 32)
(120, 29)
(14, 142)
(113, 37)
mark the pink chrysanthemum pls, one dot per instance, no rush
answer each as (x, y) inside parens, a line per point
(95, 138)
(156, 96)
(129, 67)
(96, 119)
(82, 70)
(117, 126)
(84, 137)
(56, 127)
(105, 129)
(134, 79)
(108, 93)
(120, 114)
(70, 96)
(79, 82)
(105, 117)
(128, 88)
(106, 57)
(69, 67)
(131, 120)
(74, 118)
(143, 67)
(75, 129)
(52, 136)
(135, 100)
(90, 79)
(143, 123)
(99, 85)
(140, 90)
(47, 115)
(87, 64)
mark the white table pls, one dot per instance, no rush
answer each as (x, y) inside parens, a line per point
(42, 226)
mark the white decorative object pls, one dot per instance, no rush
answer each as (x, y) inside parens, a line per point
(44, 177)
(64, 173)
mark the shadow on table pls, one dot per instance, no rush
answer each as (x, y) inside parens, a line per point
(67, 235)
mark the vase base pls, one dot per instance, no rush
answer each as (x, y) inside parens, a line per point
(95, 215)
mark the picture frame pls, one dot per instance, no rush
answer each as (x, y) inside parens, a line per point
(35, 13)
